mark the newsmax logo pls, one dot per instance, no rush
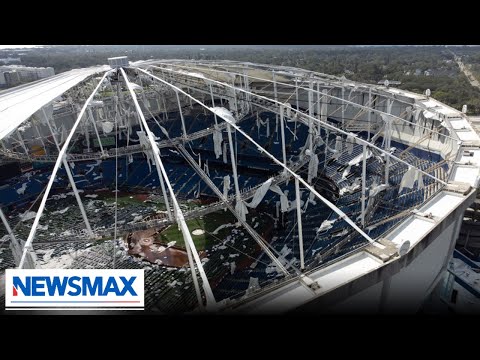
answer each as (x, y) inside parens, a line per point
(74, 288)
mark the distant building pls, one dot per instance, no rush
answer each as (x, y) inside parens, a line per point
(14, 75)
(390, 82)
(9, 60)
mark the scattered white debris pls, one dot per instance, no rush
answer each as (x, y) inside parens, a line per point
(198, 232)
(22, 189)
(351, 188)
(224, 113)
(215, 232)
(253, 285)
(27, 215)
(93, 196)
(342, 233)
(48, 255)
(92, 166)
(59, 262)
(63, 211)
(326, 225)
(233, 266)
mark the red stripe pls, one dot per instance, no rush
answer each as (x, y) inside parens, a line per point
(14, 291)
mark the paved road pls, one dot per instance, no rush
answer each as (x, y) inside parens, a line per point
(466, 71)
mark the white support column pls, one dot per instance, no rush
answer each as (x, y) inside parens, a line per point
(87, 137)
(364, 185)
(310, 115)
(234, 165)
(297, 103)
(282, 130)
(299, 220)
(323, 110)
(327, 135)
(189, 90)
(41, 139)
(343, 108)
(51, 130)
(247, 90)
(22, 143)
(213, 101)
(388, 137)
(165, 107)
(319, 116)
(310, 100)
(190, 245)
(181, 116)
(90, 114)
(276, 99)
(31, 235)
(235, 104)
(369, 118)
(274, 86)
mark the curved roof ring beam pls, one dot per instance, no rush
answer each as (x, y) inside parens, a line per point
(344, 101)
(61, 156)
(191, 250)
(340, 213)
(318, 77)
(324, 124)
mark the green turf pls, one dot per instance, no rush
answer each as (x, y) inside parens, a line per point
(209, 223)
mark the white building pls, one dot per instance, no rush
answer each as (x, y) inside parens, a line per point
(14, 75)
